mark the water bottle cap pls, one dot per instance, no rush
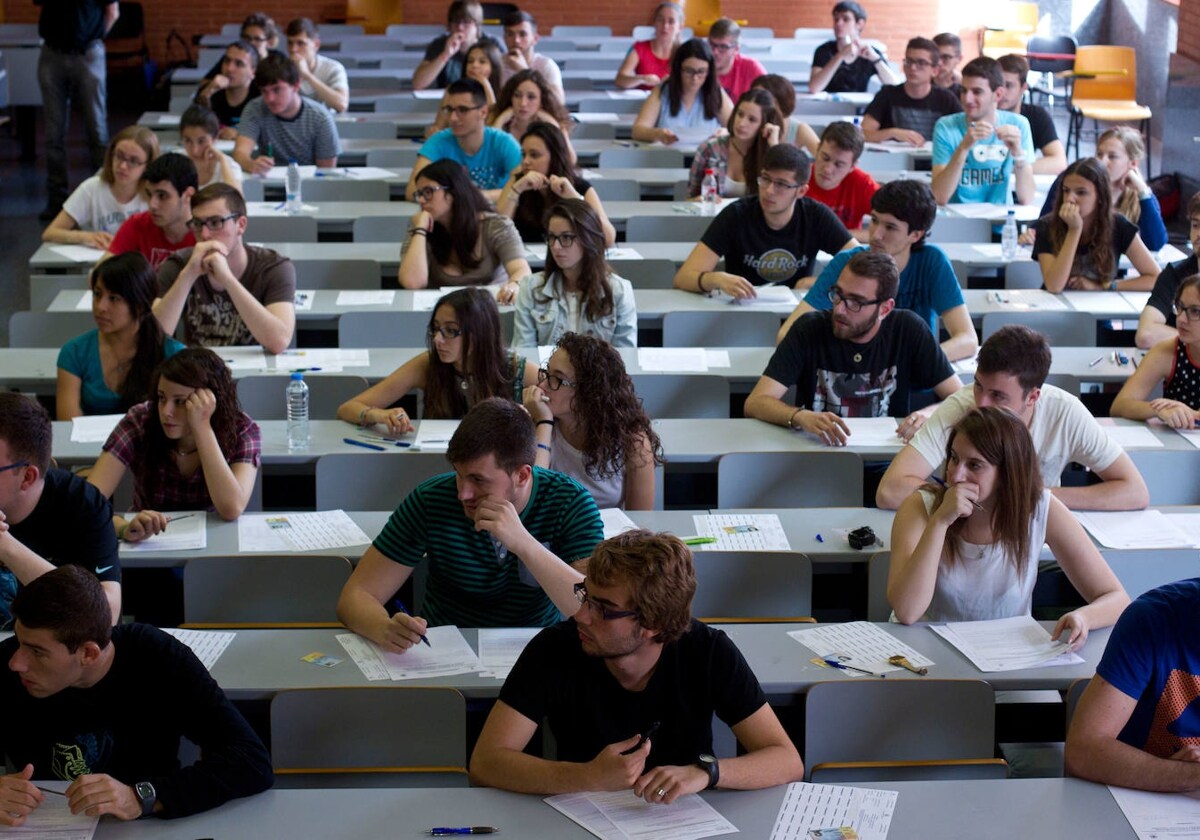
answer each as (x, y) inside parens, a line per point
(1012, 213)
(708, 172)
(291, 161)
(297, 376)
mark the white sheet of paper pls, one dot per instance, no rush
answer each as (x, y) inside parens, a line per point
(615, 521)
(85, 302)
(322, 357)
(208, 645)
(988, 249)
(717, 358)
(1006, 644)
(249, 357)
(186, 530)
(304, 300)
(1134, 529)
(596, 117)
(268, 208)
(500, 647)
(807, 806)
(672, 360)
(423, 300)
(535, 252)
(768, 296)
(1137, 300)
(1158, 816)
(366, 297)
(169, 119)
(619, 815)
(368, 173)
(1033, 299)
(627, 94)
(429, 93)
(93, 428)
(283, 532)
(545, 351)
(446, 654)
(1188, 523)
(1128, 436)
(976, 211)
(78, 253)
(434, 435)
(966, 365)
(873, 431)
(279, 173)
(1100, 303)
(741, 532)
(53, 820)
(1192, 436)
(858, 643)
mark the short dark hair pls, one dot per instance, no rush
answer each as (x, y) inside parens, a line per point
(660, 575)
(517, 18)
(1015, 64)
(725, 28)
(498, 427)
(910, 201)
(1192, 282)
(948, 39)
(173, 167)
(987, 69)
(68, 601)
(923, 44)
(782, 89)
(468, 85)
(276, 68)
(878, 266)
(197, 116)
(846, 136)
(234, 201)
(25, 426)
(1018, 351)
(303, 26)
(463, 10)
(850, 6)
(1193, 206)
(264, 22)
(787, 157)
(246, 47)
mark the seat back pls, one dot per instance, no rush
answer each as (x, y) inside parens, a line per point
(335, 189)
(733, 327)
(958, 229)
(337, 274)
(47, 329)
(752, 584)
(1142, 570)
(405, 105)
(878, 607)
(392, 158)
(1167, 482)
(263, 396)
(1067, 329)
(396, 328)
(666, 228)
(617, 189)
(1051, 45)
(595, 131)
(682, 395)
(789, 479)
(1115, 70)
(619, 106)
(250, 590)
(380, 229)
(365, 130)
(1023, 274)
(646, 274)
(270, 229)
(638, 158)
(373, 480)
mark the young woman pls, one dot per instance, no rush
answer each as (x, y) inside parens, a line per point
(649, 62)
(190, 447)
(91, 215)
(797, 132)
(483, 65)
(736, 157)
(455, 239)
(527, 99)
(968, 550)
(1079, 245)
(1173, 363)
(690, 102)
(107, 370)
(590, 424)
(546, 174)
(577, 292)
(198, 128)
(467, 362)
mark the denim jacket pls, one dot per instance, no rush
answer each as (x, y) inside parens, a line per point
(542, 314)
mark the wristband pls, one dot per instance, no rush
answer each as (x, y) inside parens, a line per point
(700, 281)
(1112, 285)
(362, 415)
(543, 446)
(793, 417)
(414, 231)
(544, 422)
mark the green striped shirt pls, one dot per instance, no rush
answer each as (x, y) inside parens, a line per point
(469, 583)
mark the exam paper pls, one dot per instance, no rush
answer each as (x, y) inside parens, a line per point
(366, 297)
(741, 532)
(1134, 529)
(78, 253)
(858, 643)
(807, 806)
(249, 357)
(500, 647)
(283, 532)
(966, 365)
(53, 820)
(716, 358)
(873, 431)
(615, 522)
(768, 296)
(206, 644)
(672, 360)
(1006, 644)
(1099, 303)
(1137, 300)
(619, 815)
(446, 654)
(622, 252)
(1189, 523)
(423, 300)
(1032, 299)
(434, 435)
(1130, 436)
(1192, 436)
(1158, 816)
(93, 428)
(85, 302)
(185, 530)
(545, 351)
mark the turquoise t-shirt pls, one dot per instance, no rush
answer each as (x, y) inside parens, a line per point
(984, 177)
(489, 167)
(81, 356)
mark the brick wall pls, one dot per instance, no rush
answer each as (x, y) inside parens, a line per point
(1189, 29)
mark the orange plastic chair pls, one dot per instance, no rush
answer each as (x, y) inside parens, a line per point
(1020, 21)
(1105, 90)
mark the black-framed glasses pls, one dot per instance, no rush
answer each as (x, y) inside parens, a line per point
(255, 39)
(715, 47)
(1192, 313)
(447, 333)
(128, 161)
(213, 223)
(16, 465)
(581, 595)
(553, 381)
(852, 304)
(918, 62)
(563, 240)
(426, 193)
(695, 72)
(764, 182)
(460, 110)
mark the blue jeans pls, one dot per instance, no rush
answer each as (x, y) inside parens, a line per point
(64, 78)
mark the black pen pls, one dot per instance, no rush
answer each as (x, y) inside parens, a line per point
(400, 606)
(646, 736)
(942, 483)
(470, 829)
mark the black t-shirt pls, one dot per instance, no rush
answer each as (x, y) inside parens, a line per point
(859, 380)
(849, 78)
(753, 250)
(70, 25)
(1123, 233)
(892, 107)
(1041, 125)
(231, 114)
(455, 67)
(531, 210)
(129, 723)
(701, 673)
(1163, 296)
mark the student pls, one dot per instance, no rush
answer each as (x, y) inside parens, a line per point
(97, 208)
(168, 183)
(105, 708)
(321, 78)
(769, 238)
(968, 550)
(633, 658)
(498, 535)
(547, 174)
(1011, 373)
(736, 156)
(576, 292)
(198, 129)
(455, 240)
(949, 55)
(445, 57)
(795, 131)
(191, 447)
(483, 65)
(689, 102)
(1015, 69)
(261, 35)
(1172, 364)
(466, 363)
(975, 152)
(125, 348)
(1081, 244)
(521, 37)
(836, 180)
(283, 125)
(906, 113)
(648, 63)
(861, 359)
(735, 71)
(525, 100)
(225, 291)
(847, 63)
(1157, 322)
(233, 88)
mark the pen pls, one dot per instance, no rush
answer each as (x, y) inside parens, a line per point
(699, 540)
(470, 829)
(281, 205)
(1096, 361)
(820, 539)
(48, 790)
(646, 736)
(303, 370)
(833, 663)
(400, 606)
(184, 516)
(392, 441)
(363, 444)
(942, 483)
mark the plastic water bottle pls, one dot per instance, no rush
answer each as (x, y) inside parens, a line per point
(710, 193)
(294, 202)
(297, 413)
(1008, 237)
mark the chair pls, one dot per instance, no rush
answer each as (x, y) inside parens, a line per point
(883, 162)
(614, 106)
(1011, 34)
(1067, 329)
(377, 736)
(252, 190)
(735, 327)
(766, 585)
(962, 272)
(594, 131)
(871, 730)
(47, 329)
(645, 274)
(249, 590)
(581, 32)
(262, 396)
(281, 229)
(1065, 382)
(407, 105)
(335, 189)
(617, 189)
(594, 62)
(381, 229)
(337, 274)
(640, 158)
(1023, 274)
(397, 328)
(1169, 480)
(366, 130)
(392, 158)
(1105, 90)
(684, 396)
(789, 479)
(1142, 570)
(665, 228)
(958, 229)
(878, 607)
(415, 31)
(1049, 55)
(373, 480)
(125, 43)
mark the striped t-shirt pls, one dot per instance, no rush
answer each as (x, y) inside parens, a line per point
(473, 581)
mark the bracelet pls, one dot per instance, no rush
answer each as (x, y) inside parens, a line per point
(543, 446)
(362, 415)
(121, 531)
(793, 417)
(544, 422)
(1112, 285)
(700, 281)
(416, 230)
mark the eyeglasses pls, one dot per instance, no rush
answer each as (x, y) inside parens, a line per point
(426, 193)
(581, 595)
(18, 464)
(852, 304)
(255, 39)
(764, 182)
(447, 333)
(135, 163)
(1192, 313)
(553, 381)
(562, 240)
(460, 110)
(695, 72)
(213, 223)
(919, 63)
(715, 47)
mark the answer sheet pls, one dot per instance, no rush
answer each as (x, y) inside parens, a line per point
(807, 806)
(285, 532)
(1159, 816)
(78, 253)
(1006, 644)
(53, 820)
(1129, 436)
(366, 297)
(208, 645)
(93, 428)
(615, 521)
(500, 647)
(768, 296)
(619, 815)
(1134, 529)
(446, 654)
(858, 643)
(186, 530)
(741, 532)
(434, 435)
(672, 360)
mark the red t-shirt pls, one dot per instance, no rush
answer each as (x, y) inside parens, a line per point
(649, 63)
(139, 233)
(744, 71)
(849, 201)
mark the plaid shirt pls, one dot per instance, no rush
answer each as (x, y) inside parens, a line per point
(174, 490)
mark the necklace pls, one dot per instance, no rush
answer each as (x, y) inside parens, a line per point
(464, 381)
(181, 453)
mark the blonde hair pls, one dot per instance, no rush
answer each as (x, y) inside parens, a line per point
(1128, 202)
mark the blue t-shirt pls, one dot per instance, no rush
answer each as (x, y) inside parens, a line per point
(1153, 656)
(490, 167)
(81, 356)
(984, 177)
(927, 285)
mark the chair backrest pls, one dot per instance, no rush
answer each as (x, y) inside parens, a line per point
(365, 130)
(882, 161)
(581, 32)
(418, 31)
(1072, 699)
(406, 105)
(252, 190)
(47, 329)
(1066, 329)
(1023, 274)
(734, 327)
(399, 736)
(617, 189)
(593, 62)
(336, 189)
(281, 228)
(380, 229)
(246, 590)
(392, 158)
(789, 479)
(878, 608)
(1167, 480)
(956, 229)
(666, 228)
(639, 158)
(752, 584)
(396, 328)
(614, 106)
(1142, 570)
(681, 395)
(1051, 45)
(263, 396)
(646, 274)
(337, 274)
(594, 131)
(1115, 69)
(1066, 382)
(400, 61)
(373, 480)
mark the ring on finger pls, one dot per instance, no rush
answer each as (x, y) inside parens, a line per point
(661, 792)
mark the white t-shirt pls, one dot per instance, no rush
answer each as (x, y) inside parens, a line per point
(93, 206)
(543, 65)
(1063, 432)
(216, 178)
(328, 72)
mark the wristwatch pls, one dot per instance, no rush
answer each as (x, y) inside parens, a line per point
(708, 763)
(146, 797)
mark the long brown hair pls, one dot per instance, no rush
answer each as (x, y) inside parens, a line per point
(752, 162)
(709, 93)
(595, 289)
(130, 276)
(466, 205)
(485, 361)
(550, 102)
(1098, 236)
(531, 206)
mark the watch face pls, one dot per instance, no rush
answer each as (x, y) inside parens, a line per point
(144, 790)
(706, 758)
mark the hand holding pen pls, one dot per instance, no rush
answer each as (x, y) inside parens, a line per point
(404, 629)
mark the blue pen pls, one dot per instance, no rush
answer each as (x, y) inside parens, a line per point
(820, 539)
(401, 608)
(842, 666)
(363, 444)
(470, 829)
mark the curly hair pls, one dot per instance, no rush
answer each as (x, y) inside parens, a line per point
(130, 276)
(1098, 235)
(607, 407)
(549, 99)
(487, 368)
(658, 570)
(594, 287)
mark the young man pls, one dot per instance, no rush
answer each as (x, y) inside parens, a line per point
(633, 661)
(283, 125)
(735, 71)
(521, 36)
(226, 291)
(861, 359)
(949, 55)
(488, 154)
(1015, 70)
(321, 78)
(233, 88)
(902, 214)
(446, 56)
(837, 182)
(51, 517)
(168, 183)
(975, 152)
(105, 708)
(498, 535)
(1157, 322)
(1012, 370)
(1136, 724)
(847, 63)
(907, 112)
(772, 237)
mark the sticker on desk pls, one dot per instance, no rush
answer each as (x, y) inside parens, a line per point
(807, 807)
(304, 300)
(318, 658)
(859, 644)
